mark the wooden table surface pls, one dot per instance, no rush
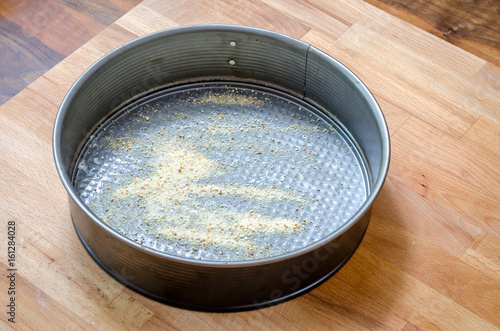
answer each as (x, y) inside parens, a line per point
(431, 256)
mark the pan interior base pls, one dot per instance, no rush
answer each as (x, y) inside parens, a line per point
(221, 171)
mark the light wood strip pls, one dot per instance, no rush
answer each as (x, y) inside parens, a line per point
(31, 189)
(486, 96)
(451, 155)
(444, 273)
(411, 327)
(188, 12)
(259, 14)
(85, 290)
(431, 179)
(394, 116)
(314, 15)
(5, 326)
(332, 305)
(406, 296)
(34, 112)
(112, 37)
(36, 310)
(484, 136)
(488, 77)
(64, 74)
(484, 254)
(134, 21)
(440, 225)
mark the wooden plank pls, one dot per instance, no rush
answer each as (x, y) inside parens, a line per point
(454, 21)
(444, 273)
(412, 168)
(483, 136)
(487, 83)
(32, 41)
(43, 20)
(406, 296)
(394, 116)
(103, 11)
(259, 14)
(23, 59)
(134, 21)
(32, 111)
(484, 254)
(332, 305)
(337, 294)
(5, 326)
(411, 327)
(188, 12)
(316, 15)
(451, 155)
(65, 73)
(405, 73)
(488, 77)
(35, 308)
(110, 38)
(82, 20)
(81, 286)
(26, 170)
(440, 225)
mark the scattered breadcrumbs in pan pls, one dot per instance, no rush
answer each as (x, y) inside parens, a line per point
(221, 173)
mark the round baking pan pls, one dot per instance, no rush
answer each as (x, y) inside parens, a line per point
(220, 167)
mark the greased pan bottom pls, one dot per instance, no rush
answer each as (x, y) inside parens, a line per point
(221, 172)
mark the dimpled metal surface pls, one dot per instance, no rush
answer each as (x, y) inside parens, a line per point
(264, 173)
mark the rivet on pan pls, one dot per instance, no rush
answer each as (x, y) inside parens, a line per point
(232, 62)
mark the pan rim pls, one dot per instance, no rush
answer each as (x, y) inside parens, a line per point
(95, 67)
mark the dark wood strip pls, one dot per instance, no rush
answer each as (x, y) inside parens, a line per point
(103, 11)
(23, 58)
(57, 25)
(472, 25)
(36, 35)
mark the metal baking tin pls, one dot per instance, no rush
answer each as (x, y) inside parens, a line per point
(219, 53)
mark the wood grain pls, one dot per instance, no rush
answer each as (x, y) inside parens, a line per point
(484, 254)
(431, 256)
(23, 59)
(471, 25)
(36, 35)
